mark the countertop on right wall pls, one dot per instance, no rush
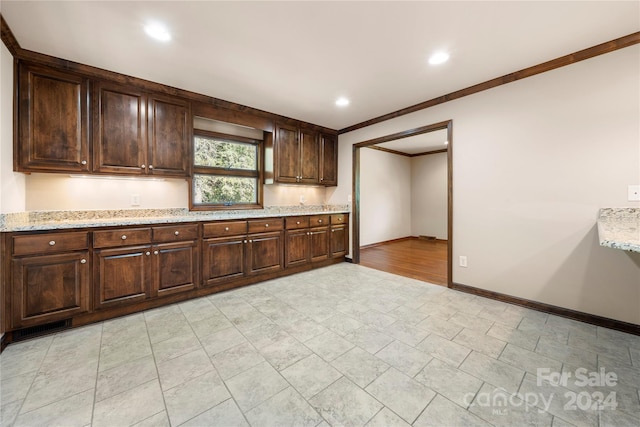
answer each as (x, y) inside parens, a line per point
(619, 228)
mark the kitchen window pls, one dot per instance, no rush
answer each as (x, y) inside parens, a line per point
(226, 171)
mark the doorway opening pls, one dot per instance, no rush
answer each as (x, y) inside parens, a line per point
(382, 143)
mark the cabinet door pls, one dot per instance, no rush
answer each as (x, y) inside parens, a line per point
(319, 238)
(264, 253)
(49, 288)
(121, 275)
(175, 267)
(338, 240)
(328, 160)
(169, 136)
(287, 154)
(309, 157)
(119, 126)
(297, 247)
(223, 259)
(52, 121)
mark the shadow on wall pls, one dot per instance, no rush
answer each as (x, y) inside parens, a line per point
(583, 270)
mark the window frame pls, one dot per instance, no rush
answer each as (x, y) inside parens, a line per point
(258, 174)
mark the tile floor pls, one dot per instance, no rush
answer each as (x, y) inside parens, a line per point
(344, 345)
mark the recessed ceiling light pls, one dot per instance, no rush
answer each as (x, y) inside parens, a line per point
(342, 102)
(438, 58)
(158, 32)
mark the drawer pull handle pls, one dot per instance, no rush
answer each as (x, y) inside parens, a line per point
(177, 233)
(150, 166)
(250, 241)
(124, 237)
(148, 253)
(155, 252)
(143, 166)
(83, 261)
(84, 162)
(226, 229)
(51, 243)
(266, 225)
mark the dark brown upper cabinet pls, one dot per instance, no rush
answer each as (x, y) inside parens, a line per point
(138, 133)
(52, 115)
(296, 155)
(328, 160)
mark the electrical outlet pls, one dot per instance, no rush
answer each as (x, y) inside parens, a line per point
(349, 198)
(463, 261)
(302, 199)
(633, 193)
(135, 200)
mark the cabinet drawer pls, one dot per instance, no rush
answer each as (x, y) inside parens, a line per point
(318, 220)
(174, 233)
(267, 224)
(50, 243)
(339, 218)
(295, 222)
(219, 229)
(121, 237)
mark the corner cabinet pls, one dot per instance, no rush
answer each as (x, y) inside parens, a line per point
(52, 114)
(136, 133)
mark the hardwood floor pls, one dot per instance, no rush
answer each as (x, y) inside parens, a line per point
(416, 258)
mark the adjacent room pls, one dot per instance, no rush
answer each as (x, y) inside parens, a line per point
(319, 213)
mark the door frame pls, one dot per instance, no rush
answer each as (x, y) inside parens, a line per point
(448, 125)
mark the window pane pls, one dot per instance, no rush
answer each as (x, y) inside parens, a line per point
(221, 190)
(222, 153)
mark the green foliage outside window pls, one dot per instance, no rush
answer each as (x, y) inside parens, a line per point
(225, 170)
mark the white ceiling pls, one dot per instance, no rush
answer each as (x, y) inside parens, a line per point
(296, 58)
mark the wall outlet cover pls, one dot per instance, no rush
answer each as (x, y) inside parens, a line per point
(633, 193)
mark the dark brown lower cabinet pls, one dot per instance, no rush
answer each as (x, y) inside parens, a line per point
(175, 267)
(264, 253)
(49, 288)
(319, 238)
(223, 259)
(339, 240)
(298, 248)
(229, 258)
(121, 275)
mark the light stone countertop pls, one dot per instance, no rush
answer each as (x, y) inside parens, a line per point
(619, 228)
(59, 220)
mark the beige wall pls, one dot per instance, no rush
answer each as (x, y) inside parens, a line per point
(385, 196)
(533, 161)
(429, 195)
(12, 185)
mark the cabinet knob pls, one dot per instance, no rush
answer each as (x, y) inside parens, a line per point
(177, 233)
(245, 241)
(266, 225)
(308, 234)
(250, 241)
(150, 166)
(226, 229)
(148, 253)
(143, 166)
(84, 162)
(83, 261)
(51, 243)
(124, 237)
(320, 221)
(340, 219)
(155, 252)
(333, 231)
(297, 222)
